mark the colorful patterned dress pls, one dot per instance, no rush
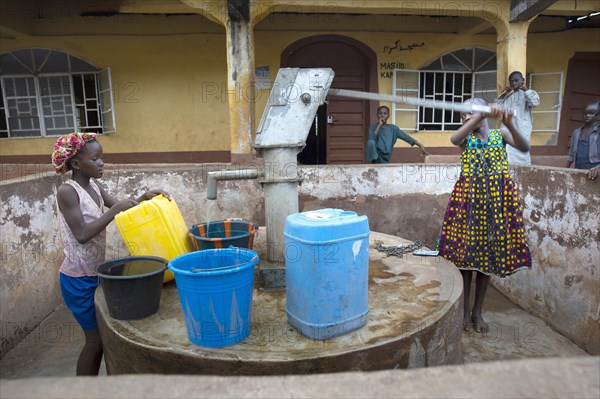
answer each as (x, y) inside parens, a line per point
(483, 227)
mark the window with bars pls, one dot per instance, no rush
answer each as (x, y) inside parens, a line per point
(50, 93)
(454, 77)
(443, 86)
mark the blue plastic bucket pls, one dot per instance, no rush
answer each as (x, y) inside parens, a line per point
(215, 290)
(327, 272)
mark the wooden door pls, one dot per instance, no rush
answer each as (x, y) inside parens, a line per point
(348, 118)
(581, 88)
(342, 128)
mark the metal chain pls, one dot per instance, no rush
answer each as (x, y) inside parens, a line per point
(397, 250)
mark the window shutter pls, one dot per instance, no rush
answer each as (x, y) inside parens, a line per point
(405, 84)
(546, 116)
(484, 85)
(107, 101)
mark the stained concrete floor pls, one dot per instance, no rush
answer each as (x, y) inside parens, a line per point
(52, 349)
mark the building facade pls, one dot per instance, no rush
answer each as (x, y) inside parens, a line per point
(187, 81)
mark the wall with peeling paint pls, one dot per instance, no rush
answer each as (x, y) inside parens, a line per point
(32, 247)
(31, 255)
(407, 200)
(562, 214)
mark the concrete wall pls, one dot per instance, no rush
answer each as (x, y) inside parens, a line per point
(561, 378)
(407, 200)
(563, 217)
(30, 254)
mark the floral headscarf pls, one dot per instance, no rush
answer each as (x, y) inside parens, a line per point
(66, 147)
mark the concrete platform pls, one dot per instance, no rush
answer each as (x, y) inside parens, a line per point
(532, 378)
(414, 320)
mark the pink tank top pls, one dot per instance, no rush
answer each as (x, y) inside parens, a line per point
(81, 259)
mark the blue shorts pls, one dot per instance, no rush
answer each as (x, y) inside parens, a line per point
(78, 293)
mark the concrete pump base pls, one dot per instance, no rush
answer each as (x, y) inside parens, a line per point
(414, 320)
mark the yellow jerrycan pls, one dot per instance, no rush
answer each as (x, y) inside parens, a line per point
(156, 228)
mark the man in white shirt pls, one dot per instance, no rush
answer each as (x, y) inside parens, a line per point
(516, 95)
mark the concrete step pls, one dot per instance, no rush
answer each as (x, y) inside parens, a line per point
(529, 378)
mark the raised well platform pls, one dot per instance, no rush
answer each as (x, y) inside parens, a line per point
(415, 320)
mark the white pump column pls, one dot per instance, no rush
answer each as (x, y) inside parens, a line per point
(280, 186)
(281, 135)
(284, 126)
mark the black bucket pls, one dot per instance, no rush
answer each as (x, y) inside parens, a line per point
(132, 285)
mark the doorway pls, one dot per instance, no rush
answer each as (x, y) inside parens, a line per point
(581, 88)
(315, 152)
(339, 133)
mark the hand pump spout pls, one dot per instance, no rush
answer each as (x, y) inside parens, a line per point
(239, 174)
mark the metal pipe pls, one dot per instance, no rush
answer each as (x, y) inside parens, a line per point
(239, 174)
(421, 102)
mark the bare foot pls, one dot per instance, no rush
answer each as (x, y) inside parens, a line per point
(480, 325)
(466, 323)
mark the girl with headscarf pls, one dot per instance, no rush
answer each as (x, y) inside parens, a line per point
(83, 220)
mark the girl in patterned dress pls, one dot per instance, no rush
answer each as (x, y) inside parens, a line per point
(483, 228)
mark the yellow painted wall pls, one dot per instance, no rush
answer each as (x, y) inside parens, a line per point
(268, 48)
(171, 88)
(170, 91)
(551, 52)
(546, 52)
